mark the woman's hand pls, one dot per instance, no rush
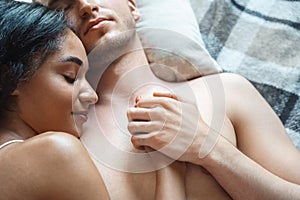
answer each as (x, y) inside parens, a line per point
(168, 124)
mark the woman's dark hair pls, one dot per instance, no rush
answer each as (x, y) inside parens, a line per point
(29, 34)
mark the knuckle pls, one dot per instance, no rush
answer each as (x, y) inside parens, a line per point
(166, 102)
(158, 111)
(155, 137)
(131, 127)
(135, 142)
(157, 125)
(129, 113)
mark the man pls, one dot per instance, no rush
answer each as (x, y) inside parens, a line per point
(237, 137)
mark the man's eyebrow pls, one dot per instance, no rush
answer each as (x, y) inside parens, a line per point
(51, 2)
(72, 59)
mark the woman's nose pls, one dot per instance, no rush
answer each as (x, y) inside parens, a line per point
(88, 95)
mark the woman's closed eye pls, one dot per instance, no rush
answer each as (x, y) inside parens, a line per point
(70, 68)
(70, 79)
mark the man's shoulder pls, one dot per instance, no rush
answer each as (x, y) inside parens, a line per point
(226, 77)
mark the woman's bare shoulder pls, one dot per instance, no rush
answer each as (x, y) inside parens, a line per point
(53, 143)
(49, 147)
(52, 165)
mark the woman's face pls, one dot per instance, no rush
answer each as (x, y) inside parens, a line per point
(57, 97)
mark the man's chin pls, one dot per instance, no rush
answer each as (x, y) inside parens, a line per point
(111, 46)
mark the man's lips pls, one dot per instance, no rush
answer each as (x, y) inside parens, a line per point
(96, 24)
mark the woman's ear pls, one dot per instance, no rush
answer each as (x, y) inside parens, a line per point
(16, 92)
(134, 10)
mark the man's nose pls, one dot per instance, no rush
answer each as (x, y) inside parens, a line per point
(88, 7)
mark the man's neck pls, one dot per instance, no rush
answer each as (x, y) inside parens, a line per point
(124, 76)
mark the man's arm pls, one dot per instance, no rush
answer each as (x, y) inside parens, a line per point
(265, 163)
(260, 134)
(243, 178)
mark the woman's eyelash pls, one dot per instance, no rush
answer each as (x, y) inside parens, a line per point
(69, 79)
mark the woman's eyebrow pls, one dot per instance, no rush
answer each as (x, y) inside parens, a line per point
(72, 59)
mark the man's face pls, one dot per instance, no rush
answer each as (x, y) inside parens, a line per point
(98, 22)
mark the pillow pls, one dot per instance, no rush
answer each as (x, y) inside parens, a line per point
(172, 41)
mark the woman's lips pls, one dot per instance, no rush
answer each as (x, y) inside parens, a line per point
(81, 117)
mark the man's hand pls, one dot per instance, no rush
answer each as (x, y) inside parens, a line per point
(168, 124)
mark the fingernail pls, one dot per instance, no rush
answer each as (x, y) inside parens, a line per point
(137, 99)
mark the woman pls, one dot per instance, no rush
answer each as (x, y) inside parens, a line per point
(43, 89)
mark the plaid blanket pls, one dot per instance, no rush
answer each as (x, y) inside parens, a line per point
(259, 39)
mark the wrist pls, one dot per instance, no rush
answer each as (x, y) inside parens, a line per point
(215, 153)
(203, 144)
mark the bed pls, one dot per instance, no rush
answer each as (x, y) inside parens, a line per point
(257, 39)
(261, 41)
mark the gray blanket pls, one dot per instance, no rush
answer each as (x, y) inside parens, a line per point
(259, 39)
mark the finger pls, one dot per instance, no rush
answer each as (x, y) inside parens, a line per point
(152, 102)
(137, 99)
(142, 140)
(138, 143)
(165, 94)
(135, 145)
(141, 128)
(138, 114)
(172, 96)
(149, 149)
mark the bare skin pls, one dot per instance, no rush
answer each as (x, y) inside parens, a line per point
(250, 126)
(49, 164)
(52, 165)
(198, 184)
